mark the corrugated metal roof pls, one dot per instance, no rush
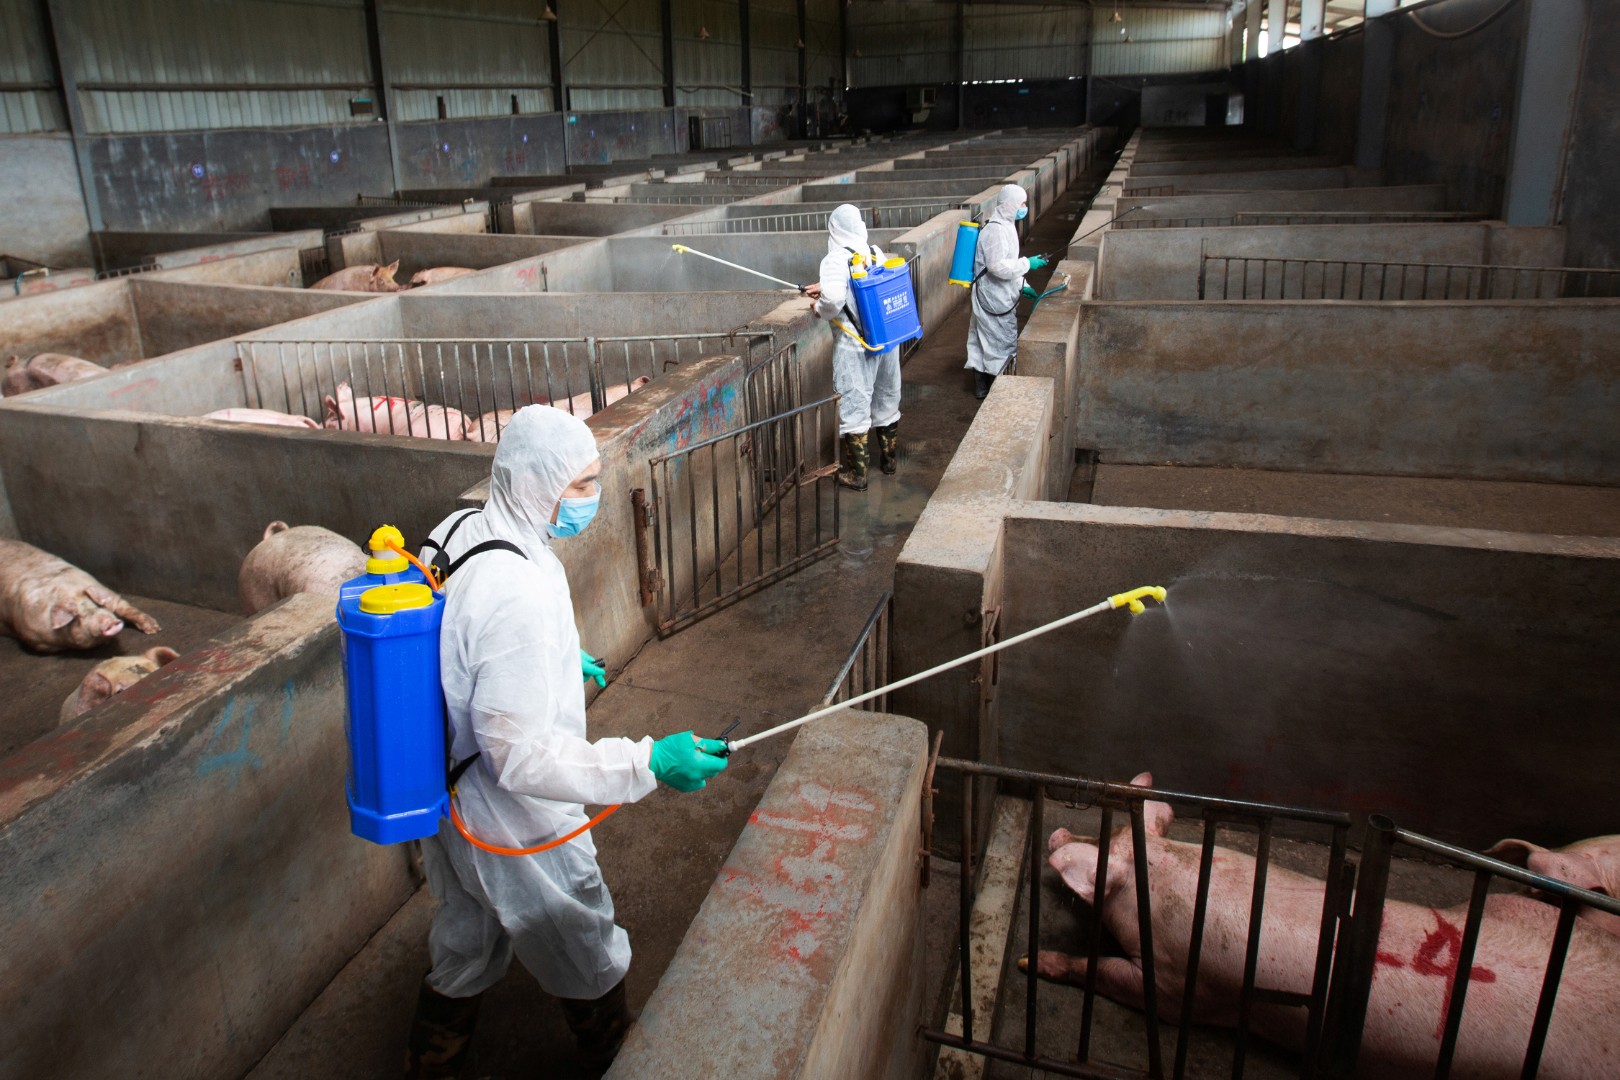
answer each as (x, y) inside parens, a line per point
(1008, 41)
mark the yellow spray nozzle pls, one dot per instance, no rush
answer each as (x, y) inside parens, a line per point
(682, 248)
(1133, 598)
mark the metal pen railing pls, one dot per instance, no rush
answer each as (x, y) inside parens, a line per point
(1261, 277)
(1129, 800)
(1357, 954)
(126, 271)
(480, 378)
(1323, 217)
(676, 200)
(867, 666)
(714, 539)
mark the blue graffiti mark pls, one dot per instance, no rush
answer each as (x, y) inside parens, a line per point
(286, 713)
(232, 761)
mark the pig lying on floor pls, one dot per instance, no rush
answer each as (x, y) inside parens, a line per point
(392, 416)
(45, 369)
(367, 277)
(52, 606)
(487, 428)
(1411, 984)
(267, 417)
(1588, 864)
(307, 558)
(111, 677)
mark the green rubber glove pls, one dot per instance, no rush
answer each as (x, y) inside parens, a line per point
(685, 762)
(1038, 263)
(592, 668)
(1028, 293)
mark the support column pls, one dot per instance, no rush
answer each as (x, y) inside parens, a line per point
(1277, 17)
(50, 12)
(385, 86)
(804, 71)
(1311, 17)
(559, 90)
(1544, 111)
(1377, 71)
(666, 10)
(961, 65)
(1251, 21)
(746, 60)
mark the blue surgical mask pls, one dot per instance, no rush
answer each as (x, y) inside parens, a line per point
(573, 515)
(1023, 212)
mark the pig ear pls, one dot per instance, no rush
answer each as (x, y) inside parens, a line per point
(1156, 816)
(277, 526)
(1578, 870)
(331, 406)
(1076, 863)
(1517, 852)
(392, 268)
(62, 615)
(161, 654)
(95, 689)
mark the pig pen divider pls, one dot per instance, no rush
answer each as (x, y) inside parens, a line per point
(1347, 942)
(472, 375)
(1271, 277)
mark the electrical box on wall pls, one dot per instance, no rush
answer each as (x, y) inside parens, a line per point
(920, 97)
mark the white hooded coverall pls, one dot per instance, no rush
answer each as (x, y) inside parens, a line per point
(998, 274)
(868, 383)
(510, 665)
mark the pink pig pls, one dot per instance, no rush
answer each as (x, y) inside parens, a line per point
(111, 677)
(435, 274)
(487, 427)
(45, 369)
(286, 560)
(367, 277)
(392, 416)
(51, 606)
(1589, 864)
(1411, 984)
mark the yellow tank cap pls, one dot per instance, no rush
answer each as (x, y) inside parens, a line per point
(969, 225)
(857, 273)
(894, 264)
(387, 599)
(384, 535)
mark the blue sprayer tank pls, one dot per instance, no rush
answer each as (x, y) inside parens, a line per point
(885, 305)
(967, 245)
(394, 708)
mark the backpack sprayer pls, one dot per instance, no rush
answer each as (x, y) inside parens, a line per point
(399, 783)
(885, 305)
(967, 246)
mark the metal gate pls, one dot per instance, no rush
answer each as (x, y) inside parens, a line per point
(727, 515)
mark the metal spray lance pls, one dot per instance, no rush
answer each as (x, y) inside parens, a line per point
(1131, 600)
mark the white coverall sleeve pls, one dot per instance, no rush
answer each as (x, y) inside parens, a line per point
(834, 282)
(515, 716)
(1002, 260)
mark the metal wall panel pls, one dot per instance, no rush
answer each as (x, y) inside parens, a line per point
(32, 102)
(1015, 41)
(613, 53)
(476, 54)
(822, 62)
(1164, 40)
(901, 44)
(774, 26)
(708, 71)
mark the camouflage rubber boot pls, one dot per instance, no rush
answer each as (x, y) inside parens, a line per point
(599, 1026)
(441, 1035)
(889, 448)
(856, 456)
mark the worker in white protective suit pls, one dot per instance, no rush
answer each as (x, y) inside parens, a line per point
(868, 383)
(998, 282)
(511, 668)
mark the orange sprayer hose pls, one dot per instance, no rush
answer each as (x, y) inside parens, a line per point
(461, 827)
(455, 815)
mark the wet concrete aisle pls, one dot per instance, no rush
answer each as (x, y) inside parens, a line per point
(762, 661)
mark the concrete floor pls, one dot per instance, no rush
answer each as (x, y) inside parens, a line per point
(764, 660)
(1557, 509)
(34, 687)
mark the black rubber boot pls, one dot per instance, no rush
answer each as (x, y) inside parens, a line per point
(599, 1026)
(981, 384)
(856, 457)
(889, 448)
(441, 1035)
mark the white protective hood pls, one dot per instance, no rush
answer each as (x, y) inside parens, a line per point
(540, 453)
(846, 229)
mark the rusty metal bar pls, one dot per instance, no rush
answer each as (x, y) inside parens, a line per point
(646, 561)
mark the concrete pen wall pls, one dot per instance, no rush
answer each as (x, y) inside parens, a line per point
(1514, 390)
(1408, 199)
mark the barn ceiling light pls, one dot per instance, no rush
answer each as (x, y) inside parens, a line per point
(703, 33)
(548, 15)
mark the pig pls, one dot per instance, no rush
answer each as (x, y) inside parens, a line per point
(435, 274)
(113, 677)
(52, 606)
(487, 427)
(367, 277)
(392, 416)
(1589, 864)
(267, 417)
(287, 560)
(1411, 982)
(45, 369)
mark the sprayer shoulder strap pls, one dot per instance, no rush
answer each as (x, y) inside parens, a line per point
(479, 549)
(456, 771)
(439, 559)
